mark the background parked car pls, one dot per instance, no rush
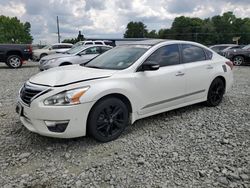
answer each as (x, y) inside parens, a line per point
(223, 52)
(239, 56)
(77, 55)
(96, 42)
(219, 47)
(14, 54)
(51, 49)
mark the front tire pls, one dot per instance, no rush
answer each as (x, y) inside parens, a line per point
(14, 61)
(43, 55)
(238, 60)
(215, 92)
(108, 119)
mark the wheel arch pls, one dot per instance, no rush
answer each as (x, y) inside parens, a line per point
(120, 96)
(222, 78)
(13, 52)
(65, 63)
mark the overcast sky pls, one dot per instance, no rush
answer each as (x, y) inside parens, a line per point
(108, 18)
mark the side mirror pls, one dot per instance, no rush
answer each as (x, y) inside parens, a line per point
(149, 66)
(50, 48)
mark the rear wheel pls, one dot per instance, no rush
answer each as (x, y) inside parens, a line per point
(216, 92)
(108, 119)
(238, 60)
(14, 61)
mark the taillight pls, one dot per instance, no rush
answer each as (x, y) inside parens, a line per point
(230, 64)
(30, 48)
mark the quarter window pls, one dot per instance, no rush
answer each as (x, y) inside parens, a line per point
(166, 55)
(192, 53)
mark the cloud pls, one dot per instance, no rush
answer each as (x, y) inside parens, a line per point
(108, 18)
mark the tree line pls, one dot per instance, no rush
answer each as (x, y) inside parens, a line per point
(215, 30)
(12, 30)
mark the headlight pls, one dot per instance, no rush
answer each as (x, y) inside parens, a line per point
(51, 61)
(70, 97)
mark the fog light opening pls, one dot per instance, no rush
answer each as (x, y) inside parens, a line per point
(57, 126)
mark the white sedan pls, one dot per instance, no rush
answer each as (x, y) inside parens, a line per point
(123, 85)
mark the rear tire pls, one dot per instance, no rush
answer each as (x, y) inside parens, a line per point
(14, 61)
(215, 92)
(238, 60)
(108, 119)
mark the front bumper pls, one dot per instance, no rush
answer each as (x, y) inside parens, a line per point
(34, 117)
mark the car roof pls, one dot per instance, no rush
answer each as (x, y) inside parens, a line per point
(147, 42)
(63, 44)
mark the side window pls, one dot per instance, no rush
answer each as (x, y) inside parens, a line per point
(209, 54)
(192, 53)
(104, 49)
(54, 47)
(88, 43)
(98, 43)
(92, 50)
(166, 55)
(65, 46)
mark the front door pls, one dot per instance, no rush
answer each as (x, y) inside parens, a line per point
(163, 88)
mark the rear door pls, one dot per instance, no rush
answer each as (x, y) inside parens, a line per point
(198, 71)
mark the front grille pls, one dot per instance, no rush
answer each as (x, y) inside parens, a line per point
(29, 91)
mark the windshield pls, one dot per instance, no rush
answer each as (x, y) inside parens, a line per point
(118, 58)
(47, 47)
(246, 47)
(74, 50)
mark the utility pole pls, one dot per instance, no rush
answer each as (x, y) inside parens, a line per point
(58, 31)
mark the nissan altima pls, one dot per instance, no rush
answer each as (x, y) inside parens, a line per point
(122, 85)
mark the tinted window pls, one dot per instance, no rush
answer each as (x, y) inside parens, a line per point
(55, 47)
(192, 53)
(92, 50)
(99, 43)
(209, 54)
(88, 43)
(166, 55)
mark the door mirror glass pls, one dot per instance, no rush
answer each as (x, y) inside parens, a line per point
(149, 66)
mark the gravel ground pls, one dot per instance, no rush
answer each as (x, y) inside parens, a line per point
(195, 146)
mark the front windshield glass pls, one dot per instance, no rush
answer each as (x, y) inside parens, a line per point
(246, 47)
(47, 47)
(74, 50)
(118, 58)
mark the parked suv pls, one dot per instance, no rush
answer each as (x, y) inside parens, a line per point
(120, 86)
(239, 56)
(80, 54)
(51, 49)
(219, 47)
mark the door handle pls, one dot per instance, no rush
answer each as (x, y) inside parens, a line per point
(210, 67)
(179, 73)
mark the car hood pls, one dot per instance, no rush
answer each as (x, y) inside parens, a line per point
(61, 76)
(55, 56)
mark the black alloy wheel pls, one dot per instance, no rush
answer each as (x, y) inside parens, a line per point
(216, 92)
(108, 119)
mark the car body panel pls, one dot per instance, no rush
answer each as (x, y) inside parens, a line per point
(149, 92)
